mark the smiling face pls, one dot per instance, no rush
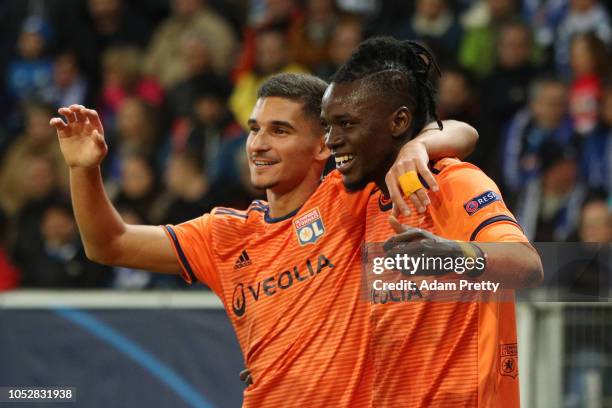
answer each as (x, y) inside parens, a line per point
(359, 132)
(284, 145)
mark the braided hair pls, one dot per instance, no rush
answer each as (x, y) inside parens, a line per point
(399, 69)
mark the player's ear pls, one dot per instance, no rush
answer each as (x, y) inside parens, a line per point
(401, 120)
(323, 151)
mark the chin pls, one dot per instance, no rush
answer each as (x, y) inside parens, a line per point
(355, 185)
(263, 184)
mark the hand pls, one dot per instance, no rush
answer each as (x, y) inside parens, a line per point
(412, 157)
(415, 241)
(81, 137)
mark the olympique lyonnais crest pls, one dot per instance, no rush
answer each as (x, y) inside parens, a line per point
(508, 355)
(309, 227)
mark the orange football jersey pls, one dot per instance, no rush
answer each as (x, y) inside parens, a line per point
(433, 353)
(290, 287)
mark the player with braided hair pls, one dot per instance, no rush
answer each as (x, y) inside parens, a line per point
(427, 354)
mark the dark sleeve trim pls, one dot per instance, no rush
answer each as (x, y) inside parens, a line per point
(492, 220)
(432, 167)
(181, 254)
(423, 182)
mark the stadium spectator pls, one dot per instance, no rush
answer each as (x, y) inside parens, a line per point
(312, 33)
(10, 276)
(212, 124)
(263, 15)
(345, 39)
(69, 86)
(596, 220)
(544, 17)
(582, 16)
(38, 190)
(36, 140)
(478, 46)
(548, 207)
(586, 277)
(139, 187)
(32, 69)
(61, 261)
(278, 14)
(105, 24)
(136, 132)
(272, 56)
(123, 77)
(545, 121)
(197, 59)
(189, 194)
(504, 91)
(589, 63)
(457, 98)
(163, 59)
(596, 147)
(434, 24)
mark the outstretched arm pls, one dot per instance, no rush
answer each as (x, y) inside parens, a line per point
(107, 239)
(457, 139)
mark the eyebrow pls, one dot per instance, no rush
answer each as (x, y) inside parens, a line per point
(274, 123)
(342, 116)
(282, 123)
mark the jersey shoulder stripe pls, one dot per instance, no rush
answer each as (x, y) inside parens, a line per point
(229, 211)
(489, 221)
(182, 258)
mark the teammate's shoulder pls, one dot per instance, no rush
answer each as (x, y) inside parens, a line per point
(452, 164)
(332, 178)
(452, 168)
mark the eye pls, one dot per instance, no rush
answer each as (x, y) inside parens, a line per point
(254, 129)
(344, 124)
(280, 131)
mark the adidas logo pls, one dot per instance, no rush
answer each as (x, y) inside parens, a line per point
(243, 260)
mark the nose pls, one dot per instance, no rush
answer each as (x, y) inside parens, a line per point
(257, 142)
(333, 139)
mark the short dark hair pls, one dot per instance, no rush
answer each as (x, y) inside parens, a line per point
(305, 89)
(399, 69)
(548, 78)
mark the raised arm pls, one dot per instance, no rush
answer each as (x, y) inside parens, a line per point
(107, 239)
(456, 139)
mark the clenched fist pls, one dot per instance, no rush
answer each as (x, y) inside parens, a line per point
(81, 136)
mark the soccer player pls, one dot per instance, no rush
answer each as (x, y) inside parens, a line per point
(427, 354)
(287, 271)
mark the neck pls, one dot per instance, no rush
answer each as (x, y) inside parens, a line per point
(379, 177)
(283, 203)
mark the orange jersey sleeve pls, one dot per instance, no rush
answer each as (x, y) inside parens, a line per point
(469, 205)
(192, 243)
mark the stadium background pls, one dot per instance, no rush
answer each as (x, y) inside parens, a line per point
(174, 81)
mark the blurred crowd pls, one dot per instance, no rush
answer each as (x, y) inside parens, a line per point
(175, 80)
